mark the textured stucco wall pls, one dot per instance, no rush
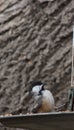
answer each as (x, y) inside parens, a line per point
(35, 44)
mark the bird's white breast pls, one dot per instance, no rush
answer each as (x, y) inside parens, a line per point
(48, 100)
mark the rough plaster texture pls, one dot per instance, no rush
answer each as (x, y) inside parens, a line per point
(35, 44)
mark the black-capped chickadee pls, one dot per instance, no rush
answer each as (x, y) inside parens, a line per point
(43, 99)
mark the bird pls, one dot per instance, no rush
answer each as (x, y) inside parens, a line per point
(43, 98)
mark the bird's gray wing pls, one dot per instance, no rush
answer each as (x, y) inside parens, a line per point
(37, 105)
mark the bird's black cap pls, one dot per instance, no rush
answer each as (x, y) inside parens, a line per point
(36, 83)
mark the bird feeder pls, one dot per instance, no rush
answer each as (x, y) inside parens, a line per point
(44, 121)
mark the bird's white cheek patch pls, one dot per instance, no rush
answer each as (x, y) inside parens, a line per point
(36, 89)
